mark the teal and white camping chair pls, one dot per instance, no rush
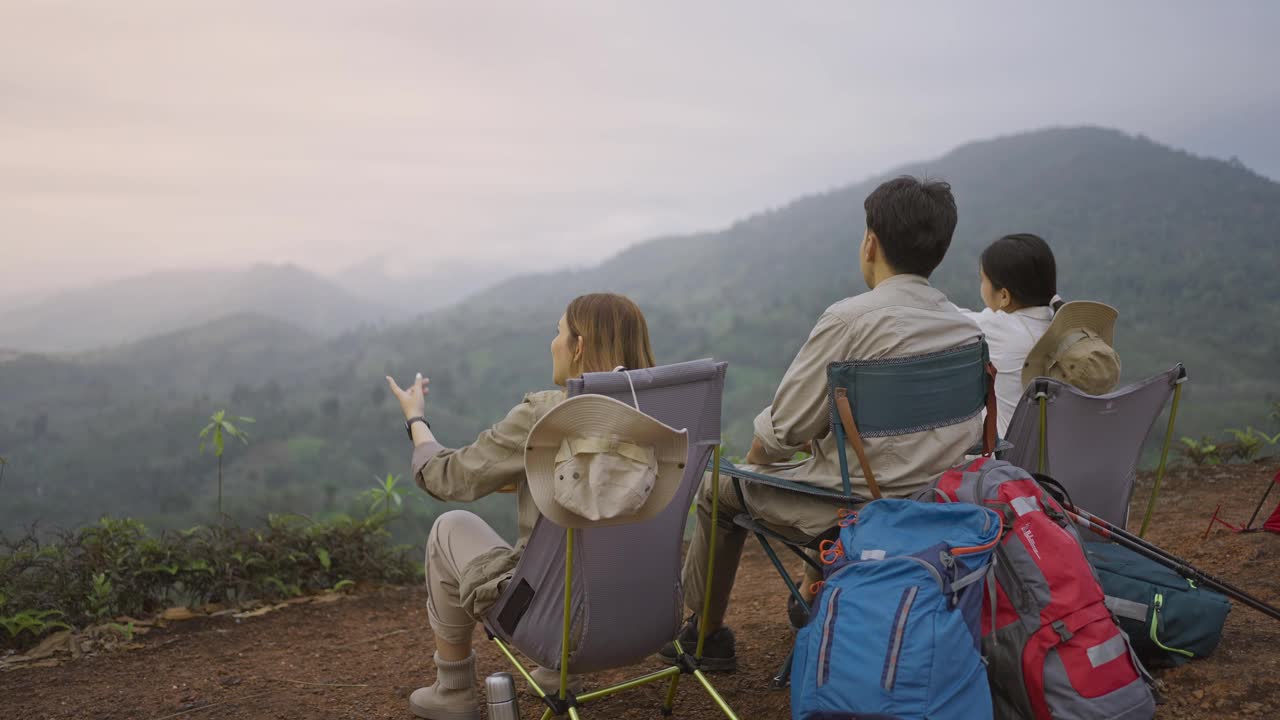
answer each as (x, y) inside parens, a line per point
(880, 398)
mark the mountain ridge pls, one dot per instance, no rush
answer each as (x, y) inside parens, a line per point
(162, 302)
(1182, 245)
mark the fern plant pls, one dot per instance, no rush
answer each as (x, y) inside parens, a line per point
(1249, 442)
(35, 622)
(1201, 452)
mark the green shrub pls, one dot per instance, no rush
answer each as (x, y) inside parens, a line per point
(1202, 452)
(116, 567)
(1250, 442)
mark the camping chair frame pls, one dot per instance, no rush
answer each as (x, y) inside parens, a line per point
(968, 371)
(1042, 399)
(565, 703)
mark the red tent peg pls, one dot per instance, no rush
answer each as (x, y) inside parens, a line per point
(1272, 523)
(1220, 521)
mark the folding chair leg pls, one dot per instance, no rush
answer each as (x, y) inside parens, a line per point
(706, 685)
(1164, 456)
(669, 705)
(711, 552)
(805, 557)
(1043, 397)
(782, 570)
(715, 696)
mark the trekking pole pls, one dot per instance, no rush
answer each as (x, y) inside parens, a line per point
(1247, 526)
(1178, 565)
(1124, 538)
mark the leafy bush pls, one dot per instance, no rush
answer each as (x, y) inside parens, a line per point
(1250, 442)
(116, 567)
(1246, 445)
(1201, 452)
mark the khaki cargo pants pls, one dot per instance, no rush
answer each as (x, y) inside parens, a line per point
(457, 537)
(795, 516)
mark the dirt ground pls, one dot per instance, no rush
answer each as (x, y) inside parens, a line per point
(361, 657)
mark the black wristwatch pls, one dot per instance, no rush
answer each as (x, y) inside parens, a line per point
(408, 424)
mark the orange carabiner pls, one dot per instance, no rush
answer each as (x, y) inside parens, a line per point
(847, 517)
(829, 551)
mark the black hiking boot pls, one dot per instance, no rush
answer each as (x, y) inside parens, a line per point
(719, 652)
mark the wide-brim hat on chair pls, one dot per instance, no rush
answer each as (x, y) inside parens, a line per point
(1077, 348)
(595, 461)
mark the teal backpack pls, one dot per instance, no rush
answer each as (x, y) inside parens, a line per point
(1168, 618)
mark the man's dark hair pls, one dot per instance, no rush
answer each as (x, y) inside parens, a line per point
(1023, 264)
(914, 220)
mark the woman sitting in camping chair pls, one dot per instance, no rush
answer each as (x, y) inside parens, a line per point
(466, 560)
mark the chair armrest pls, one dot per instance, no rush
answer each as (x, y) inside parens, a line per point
(728, 468)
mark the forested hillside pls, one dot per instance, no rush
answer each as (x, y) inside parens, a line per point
(1185, 247)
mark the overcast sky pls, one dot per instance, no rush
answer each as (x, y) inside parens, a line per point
(140, 135)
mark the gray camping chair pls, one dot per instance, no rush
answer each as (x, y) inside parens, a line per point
(1091, 444)
(619, 584)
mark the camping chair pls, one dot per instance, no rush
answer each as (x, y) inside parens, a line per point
(879, 398)
(1091, 444)
(599, 598)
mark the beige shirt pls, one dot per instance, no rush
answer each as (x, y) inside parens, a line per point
(904, 315)
(494, 461)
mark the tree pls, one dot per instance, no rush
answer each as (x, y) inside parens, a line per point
(3, 462)
(220, 425)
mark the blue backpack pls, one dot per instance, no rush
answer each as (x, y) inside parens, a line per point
(895, 630)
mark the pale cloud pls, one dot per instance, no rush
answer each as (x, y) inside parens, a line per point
(144, 135)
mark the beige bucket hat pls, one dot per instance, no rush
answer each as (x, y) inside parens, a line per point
(593, 460)
(1077, 349)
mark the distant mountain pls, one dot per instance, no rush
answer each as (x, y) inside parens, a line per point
(406, 292)
(1185, 247)
(222, 357)
(127, 310)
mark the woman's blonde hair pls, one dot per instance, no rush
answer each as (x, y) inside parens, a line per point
(613, 331)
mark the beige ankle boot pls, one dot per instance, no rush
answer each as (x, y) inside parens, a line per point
(549, 681)
(452, 696)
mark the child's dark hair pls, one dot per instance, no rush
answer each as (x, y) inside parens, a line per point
(1023, 264)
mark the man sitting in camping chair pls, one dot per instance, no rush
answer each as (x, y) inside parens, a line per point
(909, 224)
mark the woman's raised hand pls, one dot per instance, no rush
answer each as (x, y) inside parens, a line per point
(413, 398)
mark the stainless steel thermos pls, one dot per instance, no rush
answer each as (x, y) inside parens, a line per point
(501, 691)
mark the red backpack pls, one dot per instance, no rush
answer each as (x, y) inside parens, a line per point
(1053, 649)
